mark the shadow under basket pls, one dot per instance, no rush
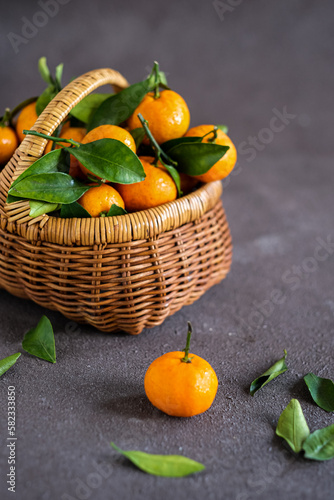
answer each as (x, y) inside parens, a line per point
(121, 273)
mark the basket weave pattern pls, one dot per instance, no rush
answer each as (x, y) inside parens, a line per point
(118, 273)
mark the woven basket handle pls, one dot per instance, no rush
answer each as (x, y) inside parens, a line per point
(32, 147)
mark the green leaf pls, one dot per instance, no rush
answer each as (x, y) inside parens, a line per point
(174, 175)
(168, 145)
(322, 391)
(272, 372)
(163, 80)
(85, 109)
(115, 210)
(138, 135)
(13, 199)
(111, 160)
(162, 465)
(38, 208)
(292, 426)
(54, 161)
(196, 158)
(59, 74)
(6, 363)
(44, 71)
(74, 210)
(54, 85)
(119, 107)
(54, 188)
(40, 341)
(45, 98)
(320, 444)
(223, 128)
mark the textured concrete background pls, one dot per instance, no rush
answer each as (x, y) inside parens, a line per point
(236, 68)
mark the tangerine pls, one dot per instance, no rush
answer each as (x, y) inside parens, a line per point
(225, 165)
(108, 132)
(167, 115)
(181, 384)
(98, 200)
(26, 120)
(8, 143)
(156, 189)
(77, 134)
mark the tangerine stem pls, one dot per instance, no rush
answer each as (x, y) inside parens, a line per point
(51, 138)
(155, 145)
(214, 132)
(186, 358)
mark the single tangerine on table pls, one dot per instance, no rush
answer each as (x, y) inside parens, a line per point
(167, 115)
(98, 200)
(108, 132)
(156, 189)
(8, 143)
(181, 384)
(225, 165)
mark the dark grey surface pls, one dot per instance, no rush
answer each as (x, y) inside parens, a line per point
(262, 56)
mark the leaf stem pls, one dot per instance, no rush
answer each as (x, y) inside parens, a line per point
(186, 358)
(5, 120)
(157, 80)
(157, 149)
(51, 138)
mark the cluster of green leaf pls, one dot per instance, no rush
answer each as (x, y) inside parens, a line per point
(38, 341)
(292, 425)
(48, 183)
(54, 84)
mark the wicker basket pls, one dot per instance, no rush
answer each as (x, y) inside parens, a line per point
(116, 273)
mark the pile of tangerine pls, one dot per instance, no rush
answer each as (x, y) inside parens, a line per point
(169, 118)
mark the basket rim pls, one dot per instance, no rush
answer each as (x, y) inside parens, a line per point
(141, 225)
(145, 224)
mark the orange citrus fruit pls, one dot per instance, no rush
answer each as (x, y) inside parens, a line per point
(156, 189)
(181, 384)
(26, 120)
(99, 199)
(168, 116)
(48, 147)
(66, 125)
(108, 132)
(225, 165)
(77, 134)
(8, 144)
